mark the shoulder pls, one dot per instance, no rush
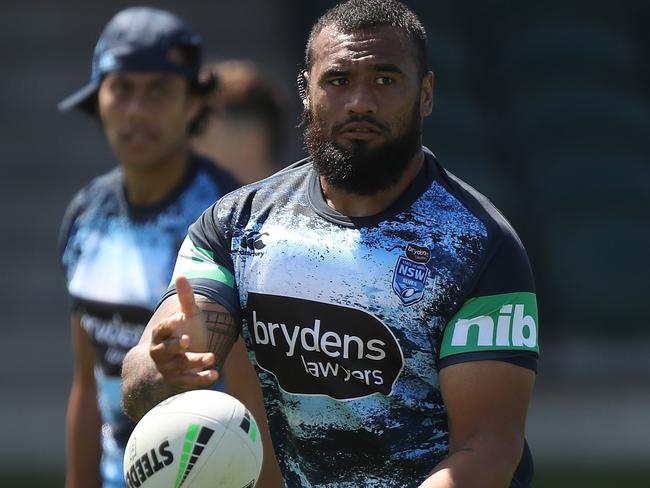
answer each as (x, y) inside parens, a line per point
(100, 187)
(499, 230)
(93, 195)
(258, 197)
(273, 189)
(504, 265)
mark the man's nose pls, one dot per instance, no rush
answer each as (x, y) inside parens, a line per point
(136, 106)
(361, 100)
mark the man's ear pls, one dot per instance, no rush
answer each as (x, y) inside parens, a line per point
(303, 87)
(426, 94)
(196, 104)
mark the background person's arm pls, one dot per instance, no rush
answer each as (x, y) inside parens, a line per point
(83, 422)
(243, 383)
(487, 402)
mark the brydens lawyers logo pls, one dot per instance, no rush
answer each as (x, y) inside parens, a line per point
(410, 275)
(316, 348)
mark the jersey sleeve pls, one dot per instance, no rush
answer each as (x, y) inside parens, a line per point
(68, 254)
(75, 207)
(204, 260)
(499, 318)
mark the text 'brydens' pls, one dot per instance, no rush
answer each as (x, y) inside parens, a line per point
(317, 348)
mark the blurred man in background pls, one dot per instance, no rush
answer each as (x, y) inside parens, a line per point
(121, 233)
(246, 129)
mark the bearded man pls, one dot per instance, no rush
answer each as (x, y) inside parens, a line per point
(387, 307)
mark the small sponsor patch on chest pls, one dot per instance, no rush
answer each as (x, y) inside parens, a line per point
(411, 273)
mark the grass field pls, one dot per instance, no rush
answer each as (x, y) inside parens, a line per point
(546, 477)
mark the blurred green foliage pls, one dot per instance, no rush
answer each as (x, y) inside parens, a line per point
(602, 476)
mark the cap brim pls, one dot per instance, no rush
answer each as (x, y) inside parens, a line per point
(80, 98)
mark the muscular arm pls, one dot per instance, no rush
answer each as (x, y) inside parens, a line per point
(186, 335)
(487, 403)
(83, 422)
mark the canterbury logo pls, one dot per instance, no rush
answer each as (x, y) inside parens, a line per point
(512, 329)
(252, 240)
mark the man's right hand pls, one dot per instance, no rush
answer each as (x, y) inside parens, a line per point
(178, 342)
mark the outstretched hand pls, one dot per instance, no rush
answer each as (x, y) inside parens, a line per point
(176, 343)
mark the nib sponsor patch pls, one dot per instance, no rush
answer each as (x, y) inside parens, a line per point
(506, 322)
(315, 348)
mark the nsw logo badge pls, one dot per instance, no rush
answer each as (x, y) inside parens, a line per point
(410, 275)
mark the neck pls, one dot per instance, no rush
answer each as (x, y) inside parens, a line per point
(354, 205)
(146, 186)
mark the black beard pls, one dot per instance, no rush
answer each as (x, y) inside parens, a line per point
(361, 170)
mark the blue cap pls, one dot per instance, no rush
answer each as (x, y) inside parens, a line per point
(141, 39)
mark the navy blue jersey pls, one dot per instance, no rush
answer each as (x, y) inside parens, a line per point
(348, 321)
(118, 260)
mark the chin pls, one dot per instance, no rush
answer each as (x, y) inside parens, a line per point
(138, 160)
(360, 144)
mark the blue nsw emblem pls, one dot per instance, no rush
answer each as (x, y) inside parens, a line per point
(409, 280)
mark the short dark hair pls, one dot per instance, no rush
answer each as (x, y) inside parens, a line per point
(352, 15)
(204, 89)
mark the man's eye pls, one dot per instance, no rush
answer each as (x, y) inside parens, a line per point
(157, 91)
(339, 81)
(385, 80)
(120, 89)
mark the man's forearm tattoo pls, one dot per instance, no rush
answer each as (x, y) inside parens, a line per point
(222, 334)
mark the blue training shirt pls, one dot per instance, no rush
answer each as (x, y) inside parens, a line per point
(348, 321)
(118, 260)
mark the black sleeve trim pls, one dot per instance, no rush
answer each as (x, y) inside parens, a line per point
(525, 359)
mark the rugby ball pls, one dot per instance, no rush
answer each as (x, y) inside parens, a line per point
(196, 439)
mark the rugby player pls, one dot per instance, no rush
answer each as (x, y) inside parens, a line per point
(388, 308)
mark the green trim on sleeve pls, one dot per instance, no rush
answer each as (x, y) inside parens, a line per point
(196, 262)
(219, 273)
(205, 252)
(506, 322)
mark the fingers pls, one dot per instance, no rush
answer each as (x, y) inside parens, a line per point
(191, 380)
(164, 350)
(172, 353)
(189, 362)
(186, 297)
(165, 330)
(169, 346)
(180, 368)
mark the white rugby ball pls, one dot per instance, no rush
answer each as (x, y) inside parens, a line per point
(196, 439)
